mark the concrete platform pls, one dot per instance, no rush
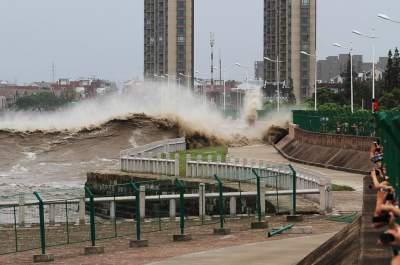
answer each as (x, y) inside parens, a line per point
(273, 252)
(138, 243)
(94, 250)
(43, 258)
(222, 231)
(259, 225)
(294, 218)
(181, 238)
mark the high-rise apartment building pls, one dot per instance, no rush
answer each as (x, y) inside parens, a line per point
(259, 70)
(289, 28)
(169, 40)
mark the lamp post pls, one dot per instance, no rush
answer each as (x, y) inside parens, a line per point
(203, 83)
(387, 18)
(372, 37)
(247, 80)
(351, 71)
(315, 81)
(223, 83)
(278, 100)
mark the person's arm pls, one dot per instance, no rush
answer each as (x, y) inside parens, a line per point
(392, 221)
(372, 151)
(390, 208)
(377, 184)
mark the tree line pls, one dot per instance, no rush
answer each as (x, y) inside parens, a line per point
(43, 101)
(387, 89)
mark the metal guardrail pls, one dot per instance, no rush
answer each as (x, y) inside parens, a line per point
(155, 148)
(360, 124)
(212, 195)
(169, 167)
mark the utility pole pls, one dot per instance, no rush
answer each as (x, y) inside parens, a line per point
(220, 66)
(53, 71)
(220, 78)
(212, 43)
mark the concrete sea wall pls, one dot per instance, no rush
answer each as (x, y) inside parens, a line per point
(340, 152)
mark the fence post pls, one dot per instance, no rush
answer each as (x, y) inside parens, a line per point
(43, 257)
(21, 210)
(177, 167)
(202, 201)
(294, 189)
(172, 209)
(232, 206)
(260, 224)
(142, 200)
(82, 206)
(52, 214)
(182, 236)
(93, 249)
(221, 230)
(139, 242)
(325, 196)
(92, 217)
(188, 168)
(294, 217)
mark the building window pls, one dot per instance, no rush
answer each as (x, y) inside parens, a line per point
(181, 39)
(305, 2)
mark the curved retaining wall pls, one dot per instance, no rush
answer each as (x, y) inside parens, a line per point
(340, 152)
(341, 249)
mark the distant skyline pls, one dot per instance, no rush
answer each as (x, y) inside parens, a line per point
(105, 38)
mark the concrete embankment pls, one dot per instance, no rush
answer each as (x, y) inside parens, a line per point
(341, 249)
(340, 152)
(356, 243)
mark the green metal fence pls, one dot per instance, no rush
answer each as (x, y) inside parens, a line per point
(93, 213)
(389, 133)
(361, 123)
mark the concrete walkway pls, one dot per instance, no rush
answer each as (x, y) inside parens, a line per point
(275, 252)
(342, 201)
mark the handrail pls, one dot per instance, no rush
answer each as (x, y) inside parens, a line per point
(162, 197)
(151, 146)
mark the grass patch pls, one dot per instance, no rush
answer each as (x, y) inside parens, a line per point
(203, 152)
(336, 187)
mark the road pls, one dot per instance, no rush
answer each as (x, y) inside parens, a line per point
(342, 201)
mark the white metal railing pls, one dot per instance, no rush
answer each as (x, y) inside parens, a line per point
(277, 175)
(53, 212)
(167, 166)
(163, 146)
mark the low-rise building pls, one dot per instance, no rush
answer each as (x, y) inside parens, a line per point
(3, 103)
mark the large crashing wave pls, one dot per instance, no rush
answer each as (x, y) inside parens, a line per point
(161, 101)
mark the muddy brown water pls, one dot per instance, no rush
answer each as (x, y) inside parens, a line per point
(40, 160)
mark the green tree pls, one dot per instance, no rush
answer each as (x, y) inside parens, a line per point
(363, 93)
(43, 101)
(389, 78)
(345, 95)
(391, 99)
(396, 69)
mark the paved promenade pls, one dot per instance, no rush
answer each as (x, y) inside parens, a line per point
(342, 201)
(278, 252)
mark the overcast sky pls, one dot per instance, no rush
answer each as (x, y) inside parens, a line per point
(105, 38)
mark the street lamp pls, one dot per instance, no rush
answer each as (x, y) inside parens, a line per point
(315, 82)
(351, 71)
(247, 80)
(222, 70)
(386, 17)
(372, 38)
(277, 79)
(203, 92)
